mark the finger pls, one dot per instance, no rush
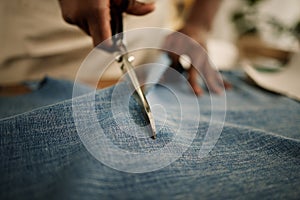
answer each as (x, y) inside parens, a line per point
(227, 85)
(99, 28)
(223, 83)
(212, 78)
(193, 80)
(137, 8)
(212, 84)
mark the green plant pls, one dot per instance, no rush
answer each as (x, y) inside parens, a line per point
(245, 21)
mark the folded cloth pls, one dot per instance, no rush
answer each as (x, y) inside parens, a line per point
(257, 155)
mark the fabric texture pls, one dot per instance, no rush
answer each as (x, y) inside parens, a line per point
(256, 155)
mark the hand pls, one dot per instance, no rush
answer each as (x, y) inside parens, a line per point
(93, 16)
(193, 44)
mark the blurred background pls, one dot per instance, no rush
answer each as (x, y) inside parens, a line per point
(37, 42)
(268, 28)
(252, 29)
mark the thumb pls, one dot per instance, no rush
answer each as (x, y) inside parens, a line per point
(138, 8)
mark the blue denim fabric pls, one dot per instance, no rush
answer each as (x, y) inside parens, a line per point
(46, 92)
(256, 156)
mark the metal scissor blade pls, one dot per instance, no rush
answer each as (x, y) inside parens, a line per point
(117, 31)
(128, 68)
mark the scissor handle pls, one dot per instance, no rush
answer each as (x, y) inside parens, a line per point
(116, 22)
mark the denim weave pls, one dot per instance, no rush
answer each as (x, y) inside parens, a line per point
(256, 156)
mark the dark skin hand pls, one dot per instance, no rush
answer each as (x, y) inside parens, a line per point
(188, 41)
(197, 27)
(93, 16)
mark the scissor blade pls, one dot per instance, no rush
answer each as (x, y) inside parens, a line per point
(140, 94)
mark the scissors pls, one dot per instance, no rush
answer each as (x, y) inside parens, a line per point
(125, 60)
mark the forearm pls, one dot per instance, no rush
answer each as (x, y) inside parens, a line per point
(202, 14)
